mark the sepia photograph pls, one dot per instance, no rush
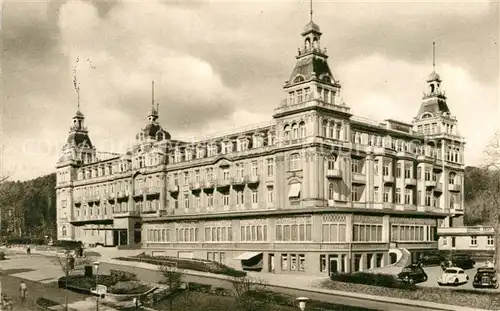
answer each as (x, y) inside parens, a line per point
(249, 155)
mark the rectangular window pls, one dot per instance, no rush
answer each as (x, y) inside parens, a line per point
(386, 168)
(490, 241)
(294, 162)
(186, 201)
(407, 171)
(398, 170)
(255, 196)
(270, 167)
(408, 193)
(302, 262)
(473, 240)
(225, 200)
(376, 165)
(398, 195)
(270, 195)
(255, 168)
(419, 173)
(376, 194)
(387, 194)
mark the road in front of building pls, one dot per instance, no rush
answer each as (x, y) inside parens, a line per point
(342, 301)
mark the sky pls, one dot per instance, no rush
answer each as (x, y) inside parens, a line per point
(221, 65)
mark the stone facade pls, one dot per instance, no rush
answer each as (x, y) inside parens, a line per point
(315, 190)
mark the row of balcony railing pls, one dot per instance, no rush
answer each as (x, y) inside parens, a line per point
(219, 183)
(118, 194)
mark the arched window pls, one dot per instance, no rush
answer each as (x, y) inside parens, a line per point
(160, 136)
(451, 178)
(307, 44)
(64, 231)
(287, 132)
(295, 131)
(302, 129)
(325, 128)
(315, 43)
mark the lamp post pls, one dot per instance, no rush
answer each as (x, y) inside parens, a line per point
(96, 266)
(302, 302)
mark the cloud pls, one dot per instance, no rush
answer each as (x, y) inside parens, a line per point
(219, 65)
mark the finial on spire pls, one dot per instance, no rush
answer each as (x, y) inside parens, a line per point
(433, 56)
(311, 9)
(153, 95)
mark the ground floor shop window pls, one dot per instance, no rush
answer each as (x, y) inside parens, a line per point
(369, 261)
(322, 263)
(209, 256)
(293, 262)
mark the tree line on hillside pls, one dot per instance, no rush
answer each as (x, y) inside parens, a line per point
(28, 208)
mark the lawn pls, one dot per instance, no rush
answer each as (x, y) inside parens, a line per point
(187, 264)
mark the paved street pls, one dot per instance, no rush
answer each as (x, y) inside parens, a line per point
(37, 272)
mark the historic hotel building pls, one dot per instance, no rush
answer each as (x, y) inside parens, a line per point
(316, 190)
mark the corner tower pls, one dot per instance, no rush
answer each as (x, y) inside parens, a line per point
(443, 142)
(77, 151)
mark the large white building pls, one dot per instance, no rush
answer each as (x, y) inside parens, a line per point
(315, 190)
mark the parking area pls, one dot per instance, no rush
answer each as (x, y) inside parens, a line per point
(433, 273)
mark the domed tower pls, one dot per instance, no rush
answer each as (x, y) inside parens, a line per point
(444, 143)
(77, 150)
(153, 130)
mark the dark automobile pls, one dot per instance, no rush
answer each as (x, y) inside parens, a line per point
(485, 277)
(412, 274)
(462, 261)
(431, 260)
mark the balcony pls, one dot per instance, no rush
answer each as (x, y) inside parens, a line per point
(121, 194)
(455, 187)
(253, 179)
(209, 184)
(430, 183)
(110, 195)
(457, 209)
(223, 183)
(388, 179)
(195, 185)
(358, 178)
(410, 182)
(125, 213)
(138, 192)
(153, 190)
(405, 154)
(439, 187)
(77, 200)
(334, 174)
(238, 181)
(173, 188)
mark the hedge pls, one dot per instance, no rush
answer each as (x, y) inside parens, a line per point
(26, 240)
(68, 244)
(83, 284)
(201, 265)
(375, 279)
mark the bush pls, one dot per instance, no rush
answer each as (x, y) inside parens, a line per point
(128, 288)
(375, 279)
(122, 276)
(68, 244)
(2, 256)
(45, 303)
(197, 287)
(85, 282)
(25, 241)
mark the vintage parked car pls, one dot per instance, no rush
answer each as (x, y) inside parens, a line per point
(485, 277)
(412, 274)
(431, 260)
(453, 276)
(462, 261)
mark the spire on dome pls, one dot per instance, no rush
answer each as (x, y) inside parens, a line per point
(153, 113)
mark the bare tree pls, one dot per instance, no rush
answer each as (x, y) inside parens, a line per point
(66, 264)
(251, 294)
(488, 200)
(173, 278)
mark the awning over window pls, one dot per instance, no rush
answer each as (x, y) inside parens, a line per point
(294, 191)
(247, 255)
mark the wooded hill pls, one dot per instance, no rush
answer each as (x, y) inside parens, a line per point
(29, 208)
